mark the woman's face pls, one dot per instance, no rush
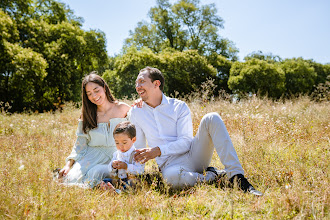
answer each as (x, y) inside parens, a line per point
(95, 93)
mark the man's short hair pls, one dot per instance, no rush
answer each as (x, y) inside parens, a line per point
(155, 74)
(125, 127)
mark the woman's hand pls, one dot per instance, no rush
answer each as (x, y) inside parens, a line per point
(138, 103)
(65, 170)
(117, 164)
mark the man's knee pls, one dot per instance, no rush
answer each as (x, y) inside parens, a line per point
(177, 178)
(211, 118)
(172, 177)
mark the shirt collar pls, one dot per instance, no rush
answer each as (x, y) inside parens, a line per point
(128, 153)
(165, 101)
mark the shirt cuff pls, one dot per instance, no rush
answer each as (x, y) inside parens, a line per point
(163, 149)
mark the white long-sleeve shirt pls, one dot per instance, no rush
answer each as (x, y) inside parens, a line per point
(168, 126)
(133, 167)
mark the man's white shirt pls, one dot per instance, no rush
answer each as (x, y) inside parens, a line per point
(167, 126)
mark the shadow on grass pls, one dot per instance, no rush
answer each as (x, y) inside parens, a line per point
(154, 181)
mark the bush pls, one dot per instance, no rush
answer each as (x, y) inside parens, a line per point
(299, 76)
(257, 76)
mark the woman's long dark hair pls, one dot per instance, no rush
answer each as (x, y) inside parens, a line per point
(89, 109)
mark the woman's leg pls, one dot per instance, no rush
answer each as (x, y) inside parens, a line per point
(96, 174)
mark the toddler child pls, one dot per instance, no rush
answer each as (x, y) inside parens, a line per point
(123, 165)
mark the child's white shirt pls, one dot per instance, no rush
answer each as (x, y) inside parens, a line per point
(132, 168)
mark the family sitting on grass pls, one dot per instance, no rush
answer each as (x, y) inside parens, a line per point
(165, 123)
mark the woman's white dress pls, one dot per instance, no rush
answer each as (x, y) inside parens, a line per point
(92, 153)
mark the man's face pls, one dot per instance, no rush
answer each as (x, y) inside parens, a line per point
(144, 87)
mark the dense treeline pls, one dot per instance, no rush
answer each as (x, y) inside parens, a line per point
(44, 53)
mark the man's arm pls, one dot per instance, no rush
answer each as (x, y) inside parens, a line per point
(179, 146)
(184, 134)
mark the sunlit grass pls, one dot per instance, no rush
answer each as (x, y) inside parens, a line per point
(284, 148)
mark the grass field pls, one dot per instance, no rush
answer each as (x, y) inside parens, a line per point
(284, 148)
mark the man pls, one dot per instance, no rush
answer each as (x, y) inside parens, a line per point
(167, 126)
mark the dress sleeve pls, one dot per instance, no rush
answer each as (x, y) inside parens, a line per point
(80, 147)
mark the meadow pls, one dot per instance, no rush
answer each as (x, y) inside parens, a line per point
(283, 146)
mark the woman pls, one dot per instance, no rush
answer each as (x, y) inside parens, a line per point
(88, 162)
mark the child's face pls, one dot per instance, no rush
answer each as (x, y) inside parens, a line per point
(123, 142)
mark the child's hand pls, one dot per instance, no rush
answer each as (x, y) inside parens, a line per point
(117, 164)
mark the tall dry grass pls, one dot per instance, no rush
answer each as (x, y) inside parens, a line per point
(284, 148)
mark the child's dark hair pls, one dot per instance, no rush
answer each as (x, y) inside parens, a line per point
(125, 127)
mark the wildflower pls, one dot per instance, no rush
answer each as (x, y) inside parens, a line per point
(287, 186)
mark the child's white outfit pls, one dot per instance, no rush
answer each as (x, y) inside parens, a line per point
(133, 167)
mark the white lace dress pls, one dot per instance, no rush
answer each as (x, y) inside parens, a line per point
(92, 153)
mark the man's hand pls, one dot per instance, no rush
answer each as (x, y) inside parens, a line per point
(144, 155)
(117, 164)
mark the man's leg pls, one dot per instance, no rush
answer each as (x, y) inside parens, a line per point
(178, 176)
(212, 133)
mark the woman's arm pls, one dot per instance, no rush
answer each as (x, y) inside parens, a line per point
(64, 171)
(78, 150)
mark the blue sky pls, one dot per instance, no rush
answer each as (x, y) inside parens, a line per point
(288, 28)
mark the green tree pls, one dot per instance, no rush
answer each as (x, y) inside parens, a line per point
(185, 71)
(269, 57)
(46, 32)
(223, 66)
(182, 26)
(122, 78)
(300, 76)
(257, 76)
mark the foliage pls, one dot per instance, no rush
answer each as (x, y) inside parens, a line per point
(300, 76)
(283, 148)
(181, 26)
(263, 56)
(257, 76)
(45, 53)
(126, 68)
(322, 91)
(183, 71)
(223, 66)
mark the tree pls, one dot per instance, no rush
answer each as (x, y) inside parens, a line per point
(269, 57)
(42, 43)
(122, 78)
(223, 66)
(22, 69)
(185, 71)
(257, 76)
(299, 76)
(182, 26)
